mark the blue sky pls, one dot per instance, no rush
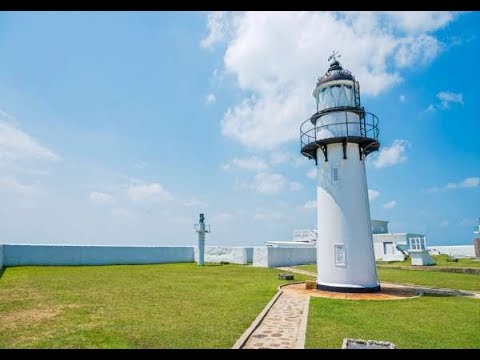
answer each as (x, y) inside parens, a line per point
(119, 128)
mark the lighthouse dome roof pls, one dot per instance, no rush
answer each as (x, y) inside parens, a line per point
(335, 72)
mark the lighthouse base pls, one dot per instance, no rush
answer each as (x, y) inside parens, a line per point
(347, 289)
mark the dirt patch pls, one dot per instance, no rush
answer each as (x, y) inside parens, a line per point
(388, 292)
(27, 317)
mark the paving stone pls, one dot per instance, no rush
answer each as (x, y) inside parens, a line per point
(280, 327)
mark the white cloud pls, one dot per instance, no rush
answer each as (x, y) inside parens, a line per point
(268, 183)
(101, 198)
(402, 98)
(279, 76)
(420, 21)
(373, 194)
(281, 157)
(139, 165)
(262, 214)
(444, 223)
(18, 145)
(467, 222)
(153, 192)
(211, 98)
(312, 173)
(195, 203)
(217, 24)
(11, 184)
(221, 217)
(391, 155)
(295, 186)
(420, 50)
(121, 212)
(390, 204)
(469, 182)
(312, 204)
(251, 163)
(447, 97)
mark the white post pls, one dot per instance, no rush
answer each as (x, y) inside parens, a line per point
(202, 230)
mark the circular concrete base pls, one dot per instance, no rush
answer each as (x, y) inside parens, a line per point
(387, 292)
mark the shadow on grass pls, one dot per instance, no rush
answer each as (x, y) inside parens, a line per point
(212, 265)
(452, 293)
(2, 270)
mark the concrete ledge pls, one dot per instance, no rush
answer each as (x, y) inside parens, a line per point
(302, 329)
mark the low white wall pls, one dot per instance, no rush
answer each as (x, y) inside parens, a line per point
(283, 256)
(16, 255)
(421, 258)
(260, 256)
(378, 250)
(231, 254)
(459, 251)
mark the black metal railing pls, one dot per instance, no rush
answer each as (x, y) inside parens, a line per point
(314, 130)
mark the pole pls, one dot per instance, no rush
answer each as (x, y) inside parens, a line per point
(201, 241)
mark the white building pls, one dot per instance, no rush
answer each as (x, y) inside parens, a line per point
(396, 246)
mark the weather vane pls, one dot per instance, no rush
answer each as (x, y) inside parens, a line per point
(334, 56)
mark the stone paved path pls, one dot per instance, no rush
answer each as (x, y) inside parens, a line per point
(282, 326)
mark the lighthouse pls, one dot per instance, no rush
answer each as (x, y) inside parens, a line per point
(339, 136)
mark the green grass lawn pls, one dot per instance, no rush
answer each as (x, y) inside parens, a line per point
(131, 306)
(425, 278)
(441, 260)
(426, 322)
(431, 278)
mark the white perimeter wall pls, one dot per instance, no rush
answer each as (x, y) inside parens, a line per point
(234, 255)
(267, 256)
(460, 251)
(16, 255)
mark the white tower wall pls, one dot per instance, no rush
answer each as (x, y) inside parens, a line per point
(343, 214)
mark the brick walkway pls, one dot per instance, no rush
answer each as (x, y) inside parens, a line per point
(281, 328)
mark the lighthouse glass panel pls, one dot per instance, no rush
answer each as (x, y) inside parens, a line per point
(335, 96)
(340, 123)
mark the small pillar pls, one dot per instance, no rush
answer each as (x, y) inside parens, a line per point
(201, 229)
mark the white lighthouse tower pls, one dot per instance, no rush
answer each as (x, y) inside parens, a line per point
(338, 137)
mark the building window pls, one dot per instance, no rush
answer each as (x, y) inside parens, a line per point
(335, 177)
(340, 256)
(417, 243)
